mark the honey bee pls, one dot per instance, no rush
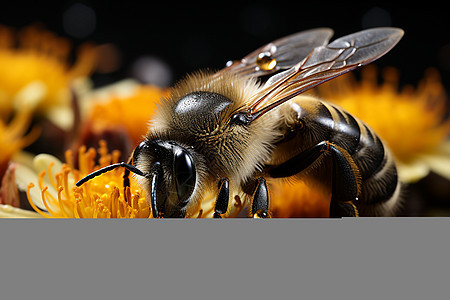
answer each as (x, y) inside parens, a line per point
(229, 131)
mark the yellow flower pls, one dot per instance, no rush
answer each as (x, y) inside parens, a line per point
(100, 198)
(298, 200)
(35, 72)
(128, 106)
(13, 137)
(411, 122)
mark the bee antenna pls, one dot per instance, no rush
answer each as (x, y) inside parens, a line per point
(129, 167)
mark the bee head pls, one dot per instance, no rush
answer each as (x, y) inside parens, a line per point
(166, 170)
(170, 176)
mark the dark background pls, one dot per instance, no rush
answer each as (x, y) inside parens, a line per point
(311, 259)
(185, 37)
(189, 36)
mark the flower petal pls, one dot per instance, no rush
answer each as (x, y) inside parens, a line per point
(440, 164)
(7, 211)
(31, 95)
(122, 89)
(61, 116)
(412, 172)
(23, 158)
(24, 176)
(42, 161)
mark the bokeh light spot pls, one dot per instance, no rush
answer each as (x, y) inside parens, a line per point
(152, 70)
(79, 20)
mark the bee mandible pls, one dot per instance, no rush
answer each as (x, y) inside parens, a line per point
(228, 131)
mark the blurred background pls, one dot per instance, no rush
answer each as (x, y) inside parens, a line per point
(180, 38)
(159, 42)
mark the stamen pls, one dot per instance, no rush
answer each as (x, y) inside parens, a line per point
(114, 207)
(82, 163)
(90, 159)
(134, 202)
(75, 210)
(95, 211)
(49, 170)
(30, 186)
(121, 204)
(41, 179)
(44, 200)
(66, 172)
(69, 159)
(105, 158)
(115, 156)
(107, 213)
(100, 198)
(59, 180)
(61, 206)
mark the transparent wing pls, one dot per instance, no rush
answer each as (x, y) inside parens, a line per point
(280, 54)
(324, 63)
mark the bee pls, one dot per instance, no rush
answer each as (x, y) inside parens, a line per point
(230, 131)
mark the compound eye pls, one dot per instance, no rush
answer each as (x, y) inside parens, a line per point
(185, 176)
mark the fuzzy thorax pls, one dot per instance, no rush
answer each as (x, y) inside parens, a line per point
(197, 114)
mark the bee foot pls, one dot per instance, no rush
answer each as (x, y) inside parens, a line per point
(222, 198)
(260, 204)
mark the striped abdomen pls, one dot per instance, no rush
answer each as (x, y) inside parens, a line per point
(322, 121)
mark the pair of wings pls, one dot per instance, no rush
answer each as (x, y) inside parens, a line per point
(304, 60)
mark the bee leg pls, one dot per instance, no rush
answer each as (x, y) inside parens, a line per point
(221, 205)
(260, 204)
(345, 174)
(342, 209)
(345, 185)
